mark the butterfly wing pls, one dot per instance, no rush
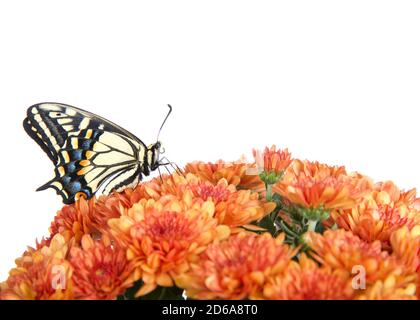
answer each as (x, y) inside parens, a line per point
(86, 149)
(50, 124)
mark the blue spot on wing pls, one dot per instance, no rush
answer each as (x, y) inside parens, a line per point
(76, 154)
(66, 179)
(86, 144)
(74, 187)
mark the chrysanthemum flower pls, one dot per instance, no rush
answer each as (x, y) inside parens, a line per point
(405, 245)
(175, 184)
(74, 220)
(273, 159)
(42, 274)
(392, 288)
(237, 268)
(108, 207)
(372, 224)
(314, 169)
(387, 193)
(232, 207)
(272, 163)
(342, 249)
(100, 270)
(318, 189)
(163, 237)
(329, 193)
(305, 280)
(379, 214)
(89, 217)
(234, 172)
(242, 208)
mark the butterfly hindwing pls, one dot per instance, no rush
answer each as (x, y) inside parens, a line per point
(87, 150)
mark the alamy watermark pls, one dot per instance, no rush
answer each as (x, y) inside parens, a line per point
(359, 279)
(58, 279)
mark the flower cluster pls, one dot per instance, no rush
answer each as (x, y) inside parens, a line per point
(277, 228)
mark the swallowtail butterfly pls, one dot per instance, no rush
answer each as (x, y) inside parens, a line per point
(88, 151)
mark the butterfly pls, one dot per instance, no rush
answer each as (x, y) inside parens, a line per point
(90, 152)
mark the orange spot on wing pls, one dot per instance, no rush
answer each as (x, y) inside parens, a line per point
(83, 171)
(89, 133)
(89, 154)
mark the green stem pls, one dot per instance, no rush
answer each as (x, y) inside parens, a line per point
(312, 225)
(287, 229)
(269, 195)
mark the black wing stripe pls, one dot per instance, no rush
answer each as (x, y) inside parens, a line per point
(114, 185)
(106, 174)
(53, 134)
(33, 133)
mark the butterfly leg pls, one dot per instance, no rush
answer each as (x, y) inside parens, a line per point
(173, 165)
(160, 175)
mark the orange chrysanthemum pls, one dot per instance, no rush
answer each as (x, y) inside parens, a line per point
(405, 244)
(74, 220)
(382, 212)
(379, 223)
(42, 274)
(108, 207)
(242, 208)
(272, 159)
(236, 268)
(314, 169)
(100, 270)
(385, 276)
(314, 185)
(232, 207)
(387, 193)
(341, 249)
(329, 193)
(235, 173)
(392, 288)
(163, 237)
(89, 217)
(306, 280)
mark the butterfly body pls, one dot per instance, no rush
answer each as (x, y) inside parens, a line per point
(88, 151)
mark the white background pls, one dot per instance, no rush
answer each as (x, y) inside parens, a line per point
(335, 81)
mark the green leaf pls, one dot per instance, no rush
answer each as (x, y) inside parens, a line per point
(268, 224)
(130, 293)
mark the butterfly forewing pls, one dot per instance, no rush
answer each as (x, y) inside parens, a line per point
(87, 150)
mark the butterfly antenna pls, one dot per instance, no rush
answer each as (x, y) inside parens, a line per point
(170, 110)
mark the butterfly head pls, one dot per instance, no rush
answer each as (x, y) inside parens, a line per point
(153, 155)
